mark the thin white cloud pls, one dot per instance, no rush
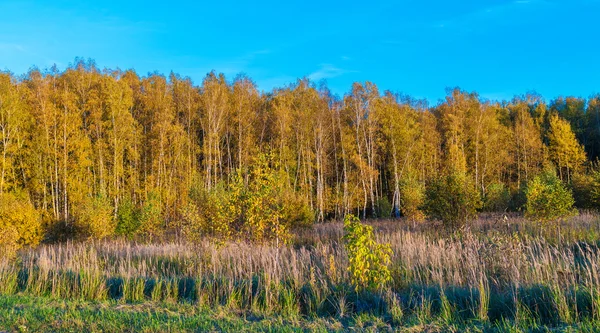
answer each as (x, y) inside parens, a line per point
(229, 66)
(273, 82)
(327, 71)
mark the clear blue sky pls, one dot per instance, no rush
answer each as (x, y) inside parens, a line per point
(498, 48)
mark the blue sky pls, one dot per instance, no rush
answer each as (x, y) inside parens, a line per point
(498, 48)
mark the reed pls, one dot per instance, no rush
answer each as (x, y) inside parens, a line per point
(486, 274)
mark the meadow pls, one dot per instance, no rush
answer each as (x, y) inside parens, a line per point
(499, 273)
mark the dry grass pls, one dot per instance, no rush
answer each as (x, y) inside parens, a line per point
(497, 269)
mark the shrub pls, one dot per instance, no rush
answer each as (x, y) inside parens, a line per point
(412, 196)
(18, 214)
(497, 198)
(594, 191)
(296, 211)
(210, 214)
(369, 260)
(258, 209)
(128, 219)
(263, 204)
(583, 186)
(192, 222)
(151, 223)
(8, 241)
(452, 199)
(383, 208)
(518, 198)
(548, 198)
(94, 218)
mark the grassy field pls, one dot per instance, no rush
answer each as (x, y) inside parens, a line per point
(501, 274)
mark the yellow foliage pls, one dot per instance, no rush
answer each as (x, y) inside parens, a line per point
(94, 218)
(548, 198)
(17, 213)
(412, 197)
(252, 211)
(369, 260)
(8, 242)
(565, 151)
(151, 216)
(264, 209)
(209, 214)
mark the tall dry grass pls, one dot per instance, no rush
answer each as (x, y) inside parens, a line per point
(498, 268)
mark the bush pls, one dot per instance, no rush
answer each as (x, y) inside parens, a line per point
(151, 222)
(210, 214)
(8, 242)
(594, 191)
(412, 196)
(518, 198)
(18, 214)
(383, 208)
(262, 203)
(369, 260)
(583, 186)
(128, 219)
(192, 223)
(296, 211)
(94, 218)
(548, 198)
(260, 210)
(452, 199)
(497, 198)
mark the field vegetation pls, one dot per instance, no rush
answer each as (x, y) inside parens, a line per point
(501, 273)
(170, 206)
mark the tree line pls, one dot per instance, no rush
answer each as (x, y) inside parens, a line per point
(116, 152)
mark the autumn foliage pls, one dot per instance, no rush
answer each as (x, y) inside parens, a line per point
(369, 260)
(20, 221)
(548, 198)
(452, 199)
(101, 152)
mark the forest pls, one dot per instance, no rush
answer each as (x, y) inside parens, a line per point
(148, 203)
(93, 153)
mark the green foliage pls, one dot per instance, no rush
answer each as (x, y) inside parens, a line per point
(452, 199)
(548, 198)
(383, 208)
(258, 210)
(19, 217)
(583, 187)
(369, 260)
(497, 198)
(594, 192)
(151, 219)
(128, 220)
(518, 198)
(412, 196)
(296, 211)
(210, 214)
(94, 218)
(263, 207)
